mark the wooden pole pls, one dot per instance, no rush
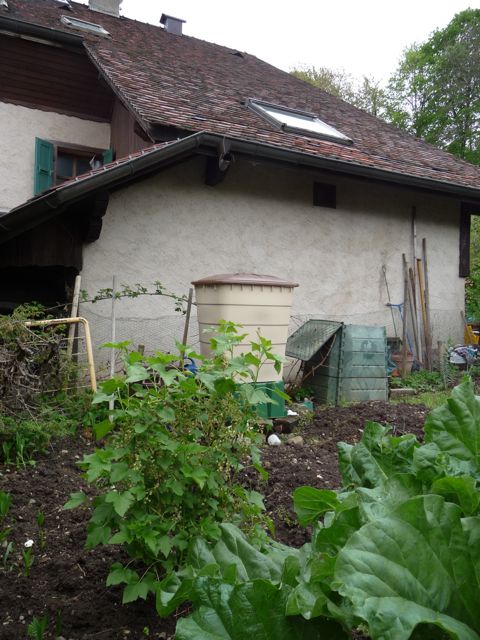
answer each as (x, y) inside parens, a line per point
(187, 317)
(411, 308)
(428, 334)
(111, 403)
(417, 332)
(418, 355)
(113, 335)
(405, 315)
(73, 314)
(414, 280)
(423, 308)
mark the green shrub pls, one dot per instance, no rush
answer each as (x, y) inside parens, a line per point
(421, 381)
(175, 445)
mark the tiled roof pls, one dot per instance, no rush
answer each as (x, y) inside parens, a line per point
(194, 85)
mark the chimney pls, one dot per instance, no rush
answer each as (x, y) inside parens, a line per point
(171, 24)
(111, 7)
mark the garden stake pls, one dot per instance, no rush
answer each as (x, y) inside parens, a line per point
(414, 324)
(187, 316)
(73, 314)
(111, 403)
(424, 311)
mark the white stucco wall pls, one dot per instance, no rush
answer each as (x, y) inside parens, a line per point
(261, 219)
(19, 126)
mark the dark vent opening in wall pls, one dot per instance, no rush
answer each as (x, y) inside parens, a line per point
(324, 195)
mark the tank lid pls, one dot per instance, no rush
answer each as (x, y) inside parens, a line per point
(245, 278)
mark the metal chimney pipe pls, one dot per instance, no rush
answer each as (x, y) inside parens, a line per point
(171, 24)
(110, 7)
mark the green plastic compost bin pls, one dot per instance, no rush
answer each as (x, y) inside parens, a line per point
(343, 363)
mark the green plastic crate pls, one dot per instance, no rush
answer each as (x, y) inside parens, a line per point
(269, 409)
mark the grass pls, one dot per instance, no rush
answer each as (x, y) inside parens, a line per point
(431, 399)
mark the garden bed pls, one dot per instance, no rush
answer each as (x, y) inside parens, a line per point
(67, 582)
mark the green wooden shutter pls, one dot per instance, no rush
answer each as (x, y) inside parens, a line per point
(44, 155)
(107, 156)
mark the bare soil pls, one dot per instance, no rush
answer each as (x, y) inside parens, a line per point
(67, 582)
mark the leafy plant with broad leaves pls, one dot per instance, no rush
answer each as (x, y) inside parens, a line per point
(395, 552)
(175, 445)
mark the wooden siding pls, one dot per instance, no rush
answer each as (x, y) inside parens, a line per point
(52, 78)
(55, 243)
(124, 136)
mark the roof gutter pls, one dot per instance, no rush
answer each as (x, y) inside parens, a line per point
(47, 206)
(22, 28)
(53, 202)
(271, 152)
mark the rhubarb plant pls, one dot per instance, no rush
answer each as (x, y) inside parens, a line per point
(395, 552)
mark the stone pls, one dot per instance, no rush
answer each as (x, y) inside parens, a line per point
(295, 441)
(287, 424)
(398, 393)
(274, 440)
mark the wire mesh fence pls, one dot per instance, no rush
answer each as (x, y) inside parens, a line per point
(151, 333)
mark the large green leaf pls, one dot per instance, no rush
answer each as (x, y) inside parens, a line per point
(455, 428)
(311, 503)
(234, 549)
(415, 566)
(232, 557)
(461, 490)
(376, 457)
(250, 610)
(337, 527)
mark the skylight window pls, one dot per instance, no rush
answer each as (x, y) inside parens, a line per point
(294, 121)
(83, 25)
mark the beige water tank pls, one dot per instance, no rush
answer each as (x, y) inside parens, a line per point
(261, 304)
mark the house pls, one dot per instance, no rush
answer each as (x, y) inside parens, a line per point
(135, 150)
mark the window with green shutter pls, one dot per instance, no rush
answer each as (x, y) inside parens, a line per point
(57, 162)
(44, 158)
(107, 156)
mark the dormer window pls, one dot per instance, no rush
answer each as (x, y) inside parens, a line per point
(83, 25)
(295, 121)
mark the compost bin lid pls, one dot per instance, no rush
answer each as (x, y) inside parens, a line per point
(306, 341)
(245, 278)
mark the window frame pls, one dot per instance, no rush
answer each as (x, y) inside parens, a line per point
(84, 25)
(45, 173)
(261, 108)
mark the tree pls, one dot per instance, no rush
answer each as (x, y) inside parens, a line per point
(370, 96)
(435, 92)
(472, 284)
(366, 94)
(337, 82)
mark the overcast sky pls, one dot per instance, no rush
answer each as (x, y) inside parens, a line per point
(362, 37)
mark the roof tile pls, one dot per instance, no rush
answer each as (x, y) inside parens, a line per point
(195, 85)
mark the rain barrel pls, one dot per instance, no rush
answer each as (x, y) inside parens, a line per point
(261, 304)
